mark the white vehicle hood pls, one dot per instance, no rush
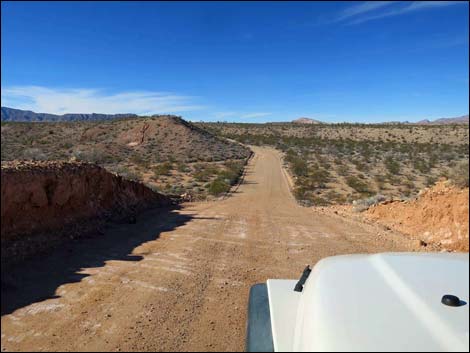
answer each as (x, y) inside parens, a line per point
(384, 302)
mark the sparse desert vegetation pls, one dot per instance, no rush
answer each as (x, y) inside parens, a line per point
(342, 163)
(133, 221)
(167, 153)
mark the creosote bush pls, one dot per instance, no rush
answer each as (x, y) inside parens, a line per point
(459, 175)
(218, 187)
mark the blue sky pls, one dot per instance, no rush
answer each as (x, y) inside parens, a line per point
(238, 61)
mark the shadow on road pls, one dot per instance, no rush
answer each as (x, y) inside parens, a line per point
(37, 279)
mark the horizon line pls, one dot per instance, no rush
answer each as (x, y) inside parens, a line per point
(319, 122)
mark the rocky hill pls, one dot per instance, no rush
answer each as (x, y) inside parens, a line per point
(306, 121)
(165, 152)
(11, 114)
(43, 203)
(151, 140)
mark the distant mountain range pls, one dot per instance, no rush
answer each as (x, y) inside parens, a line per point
(306, 121)
(443, 121)
(10, 114)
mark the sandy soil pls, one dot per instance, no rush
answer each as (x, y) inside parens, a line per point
(178, 279)
(442, 211)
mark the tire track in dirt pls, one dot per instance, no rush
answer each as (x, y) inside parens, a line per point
(185, 285)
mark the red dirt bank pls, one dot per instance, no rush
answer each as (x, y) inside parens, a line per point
(43, 197)
(439, 216)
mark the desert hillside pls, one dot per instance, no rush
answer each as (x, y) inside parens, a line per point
(166, 152)
(150, 139)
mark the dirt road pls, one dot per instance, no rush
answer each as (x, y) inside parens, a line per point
(177, 280)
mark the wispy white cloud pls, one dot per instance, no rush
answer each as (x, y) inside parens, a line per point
(238, 115)
(223, 115)
(362, 8)
(61, 101)
(254, 115)
(398, 9)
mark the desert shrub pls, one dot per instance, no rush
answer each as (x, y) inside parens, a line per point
(300, 167)
(183, 168)
(334, 197)
(338, 161)
(308, 197)
(228, 177)
(90, 156)
(409, 185)
(153, 187)
(431, 180)
(362, 167)
(128, 174)
(459, 175)
(234, 166)
(177, 189)
(323, 161)
(421, 165)
(319, 176)
(163, 169)
(232, 173)
(343, 170)
(357, 184)
(34, 154)
(405, 194)
(444, 174)
(218, 187)
(393, 179)
(204, 172)
(392, 165)
(364, 204)
(139, 160)
(380, 179)
(410, 177)
(300, 191)
(290, 155)
(319, 201)
(202, 175)
(298, 164)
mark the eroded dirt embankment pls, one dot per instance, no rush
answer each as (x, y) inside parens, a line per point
(439, 216)
(39, 200)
